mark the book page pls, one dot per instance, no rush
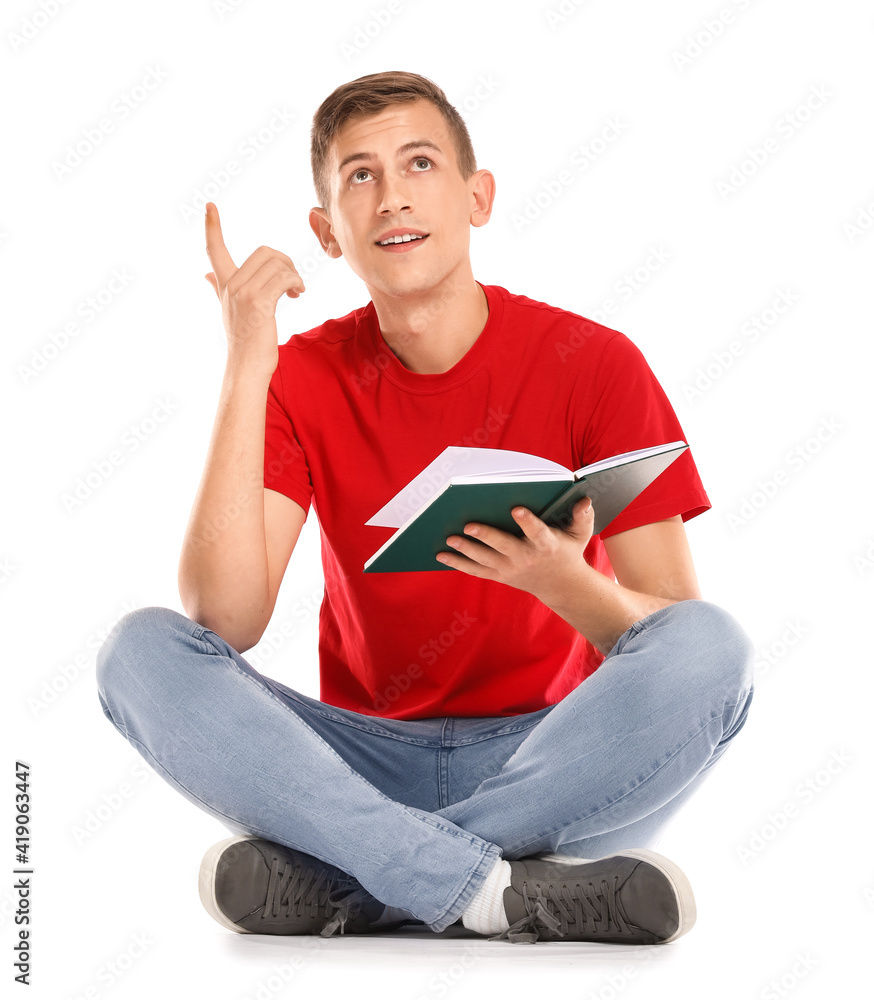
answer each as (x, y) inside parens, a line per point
(455, 463)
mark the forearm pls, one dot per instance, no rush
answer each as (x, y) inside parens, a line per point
(549, 563)
(223, 569)
(599, 608)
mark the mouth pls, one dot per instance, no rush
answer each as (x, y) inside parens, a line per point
(401, 241)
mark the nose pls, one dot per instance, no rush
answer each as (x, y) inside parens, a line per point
(395, 195)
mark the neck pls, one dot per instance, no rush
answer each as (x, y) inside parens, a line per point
(430, 332)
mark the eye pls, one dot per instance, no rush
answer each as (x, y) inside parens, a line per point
(422, 163)
(360, 175)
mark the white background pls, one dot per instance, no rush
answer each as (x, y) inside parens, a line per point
(775, 843)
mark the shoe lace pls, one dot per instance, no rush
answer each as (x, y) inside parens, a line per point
(580, 907)
(296, 890)
(349, 902)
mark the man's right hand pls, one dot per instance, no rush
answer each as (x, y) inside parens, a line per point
(249, 294)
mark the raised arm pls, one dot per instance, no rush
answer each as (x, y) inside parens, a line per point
(240, 536)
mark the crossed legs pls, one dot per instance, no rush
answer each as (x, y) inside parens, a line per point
(603, 769)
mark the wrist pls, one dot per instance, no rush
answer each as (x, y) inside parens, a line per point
(567, 585)
(241, 366)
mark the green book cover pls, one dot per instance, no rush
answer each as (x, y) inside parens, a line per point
(484, 484)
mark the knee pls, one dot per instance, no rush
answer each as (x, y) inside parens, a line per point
(727, 649)
(130, 646)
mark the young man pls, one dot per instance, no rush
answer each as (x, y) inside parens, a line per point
(516, 702)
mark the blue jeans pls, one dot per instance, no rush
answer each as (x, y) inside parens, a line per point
(419, 811)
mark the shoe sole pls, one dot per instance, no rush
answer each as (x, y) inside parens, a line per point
(688, 912)
(206, 882)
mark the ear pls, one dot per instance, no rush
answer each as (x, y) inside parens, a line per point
(482, 189)
(320, 223)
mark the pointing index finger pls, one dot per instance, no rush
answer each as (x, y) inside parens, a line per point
(222, 263)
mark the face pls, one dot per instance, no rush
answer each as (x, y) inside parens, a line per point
(396, 175)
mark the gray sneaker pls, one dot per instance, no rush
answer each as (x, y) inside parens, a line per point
(253, 886)
(636, 897)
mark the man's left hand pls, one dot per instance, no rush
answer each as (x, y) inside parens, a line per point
(541, 562)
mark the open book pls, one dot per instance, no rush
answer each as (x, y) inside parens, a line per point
(485, 484)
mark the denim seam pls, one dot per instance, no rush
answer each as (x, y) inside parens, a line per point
(417, 740)
(485, 848)
(468, 891)
(506, 731)
(375, 730)
(442, 777)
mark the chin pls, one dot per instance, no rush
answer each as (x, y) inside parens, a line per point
(400, 286)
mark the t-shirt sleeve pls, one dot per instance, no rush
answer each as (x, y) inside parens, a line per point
(285, 465)
(628, 409)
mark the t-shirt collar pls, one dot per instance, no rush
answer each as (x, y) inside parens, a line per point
(390, 367)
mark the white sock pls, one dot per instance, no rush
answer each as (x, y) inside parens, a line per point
(485, 912)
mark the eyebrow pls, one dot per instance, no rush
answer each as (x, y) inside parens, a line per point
(407, 147)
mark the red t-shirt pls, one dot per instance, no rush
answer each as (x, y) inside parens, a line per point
(348, 426)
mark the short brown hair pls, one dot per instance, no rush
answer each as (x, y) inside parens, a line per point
(368, 95)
